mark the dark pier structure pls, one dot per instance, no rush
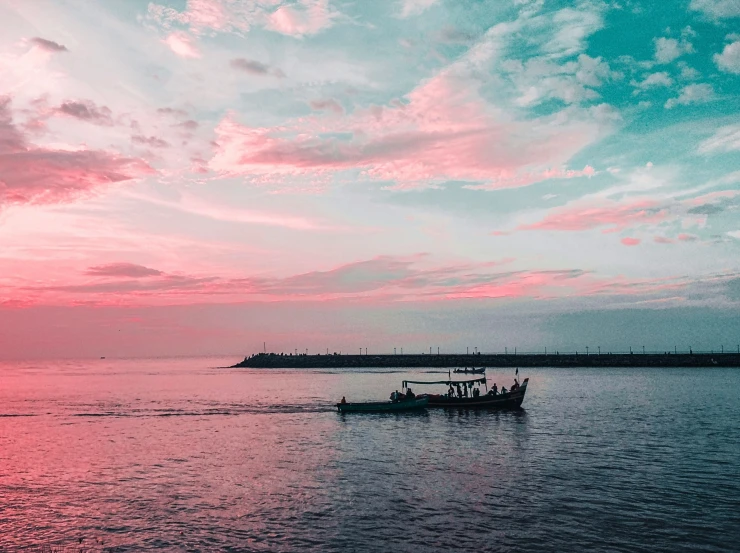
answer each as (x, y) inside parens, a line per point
(667, 359)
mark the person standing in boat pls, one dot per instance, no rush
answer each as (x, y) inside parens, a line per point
(451, 391)
(494, 389)
(410, 394)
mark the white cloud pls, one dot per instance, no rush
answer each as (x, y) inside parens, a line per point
(574, 27)
(734, 234)
(415, 7)
(729, 59)
(717, 9)
(692, 94)
(540, 79)
(724, 140)
(688, 73)
(668, 49)
(655, 79)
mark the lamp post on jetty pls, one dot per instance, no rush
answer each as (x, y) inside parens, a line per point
(643, 350)
(599, 349)
(586, 350)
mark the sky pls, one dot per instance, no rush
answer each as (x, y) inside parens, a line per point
(219, 176)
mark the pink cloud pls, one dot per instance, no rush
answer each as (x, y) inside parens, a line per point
(175, 112)
(254, 67)
(612, 214)
(623, 286)
(329, 105)
(122, 270)
(381, 279)
(310, 18)
(48, 45)
(442, 131)
(86, 110)
(151, 141)
(182, 44)
(629, 241)
(207, 14)
(188, 125)
(43, 175)
(296, 18)
(687, 237)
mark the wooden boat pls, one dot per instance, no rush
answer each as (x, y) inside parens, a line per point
(471, 370)
(418, 402)
(509, 400)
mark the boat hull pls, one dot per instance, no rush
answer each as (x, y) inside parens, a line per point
(509, 400)
(384, 406)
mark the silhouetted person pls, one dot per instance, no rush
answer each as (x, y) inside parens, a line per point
(343, 400)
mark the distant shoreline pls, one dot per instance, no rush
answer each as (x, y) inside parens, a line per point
(271, 360)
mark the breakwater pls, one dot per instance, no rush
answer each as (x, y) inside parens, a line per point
(275, 361)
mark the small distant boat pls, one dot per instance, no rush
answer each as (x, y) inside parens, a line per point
(384, 406)
(470, 370)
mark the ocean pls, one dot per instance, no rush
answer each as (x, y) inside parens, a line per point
(180, 455)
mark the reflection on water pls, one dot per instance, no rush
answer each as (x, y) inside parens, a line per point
(169, 455)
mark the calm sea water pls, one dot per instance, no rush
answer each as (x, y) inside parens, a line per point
(174, 455)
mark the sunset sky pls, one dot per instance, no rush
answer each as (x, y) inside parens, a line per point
(197, 177)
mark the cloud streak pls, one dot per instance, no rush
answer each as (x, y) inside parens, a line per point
(122, 270)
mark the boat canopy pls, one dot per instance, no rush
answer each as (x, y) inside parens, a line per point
(445, 382)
